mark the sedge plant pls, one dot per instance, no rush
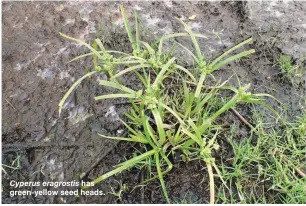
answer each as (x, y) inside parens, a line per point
(154, 118)
(290, 71)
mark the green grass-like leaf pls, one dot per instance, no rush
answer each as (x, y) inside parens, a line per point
(141, 140)
(112, 96)
(160, 126)
(185, 70)
(75, 84)
(166, 37)
(129, 70)
(200, 84)
(231, 50)
(117, 86)
(160, 75)
(194, 41)
(128, 28)
(233, 58)
(95, 52)
(160, 176)
(127, 164)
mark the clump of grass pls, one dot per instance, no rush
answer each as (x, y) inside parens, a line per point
(154, 118)
(266, 170)
(293, 72)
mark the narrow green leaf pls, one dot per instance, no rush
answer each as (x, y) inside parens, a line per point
(268, 95)
(195, 128)
(200, 105)
(172, 112)
(205, 125)
(271, 109)
(188, 143)
(116, 52)
(190, 52)
(126, 165)
(108, 51)
(81, 56)
(83, 43)
(161, 179)
(186, 93)
(230, 51)
(75, 84)
(160, 75)
(200, 84)
(141, 140)
(141, 78)
(186, 71)
(130, 69)
(98, 41)
(159, 124)
(232, 58)
(127, 28)
(112, 96)
(194, 41)
(129, 128)
(137, 32)
(132, 57)
(231, 103)
(178, 137)
(169, 168)
(220, 175)
(117, 86)
(160, 46)
(150, 132)
(188, 97)
(130, 62)
(149, 48)
(95, 58)
(192, 136)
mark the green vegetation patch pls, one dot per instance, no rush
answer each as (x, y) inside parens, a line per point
(164, 123)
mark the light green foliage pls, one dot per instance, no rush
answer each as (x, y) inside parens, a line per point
(293, 72)
(164, 122)
(285, 63)
(263, 170)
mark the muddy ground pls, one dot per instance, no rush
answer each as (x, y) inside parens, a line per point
(35, 76)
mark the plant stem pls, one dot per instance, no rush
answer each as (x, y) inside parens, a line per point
(211, 182)
(241, 118)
